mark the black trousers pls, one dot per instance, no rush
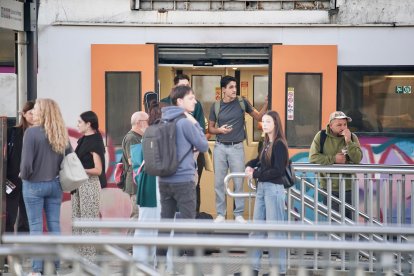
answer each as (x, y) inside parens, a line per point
(15, 206)
(200, 167)
(335, 205)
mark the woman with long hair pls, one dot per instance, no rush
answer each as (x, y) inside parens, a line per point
(14, 200)
(44, 146)
(86, 199)
(269, 205)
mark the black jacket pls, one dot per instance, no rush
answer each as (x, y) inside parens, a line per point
(274, 171)
(14, 154)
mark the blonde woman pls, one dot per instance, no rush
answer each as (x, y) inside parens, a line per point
(43, 149)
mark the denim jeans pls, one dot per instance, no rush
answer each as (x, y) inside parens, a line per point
(173, 196)
(270, 207)
(147, 254)
(39, 196)
(228, 157)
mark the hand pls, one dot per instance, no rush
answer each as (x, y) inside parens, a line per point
(249, 171)
(347, 135)
(190, 117)
(224, 130)
(340, 158)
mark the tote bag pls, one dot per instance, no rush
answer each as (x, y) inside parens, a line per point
(72, 174)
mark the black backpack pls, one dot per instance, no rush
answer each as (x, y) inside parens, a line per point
(160, 149)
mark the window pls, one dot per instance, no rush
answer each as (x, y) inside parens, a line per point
(379, 100)
(260, 92)
(303, 108)
(207, 90)
(123, 94)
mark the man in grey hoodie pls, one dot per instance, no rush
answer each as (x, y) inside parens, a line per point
(178, 190)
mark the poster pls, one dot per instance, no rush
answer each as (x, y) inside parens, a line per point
(218, 93)
(244, 87)
(290, 103)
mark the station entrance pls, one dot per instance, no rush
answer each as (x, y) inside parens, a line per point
(300, 82)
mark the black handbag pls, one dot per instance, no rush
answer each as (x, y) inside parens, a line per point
(289, 178)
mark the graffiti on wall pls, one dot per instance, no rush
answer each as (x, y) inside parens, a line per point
(385, 151)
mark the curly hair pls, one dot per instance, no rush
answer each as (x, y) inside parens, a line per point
(50, 118)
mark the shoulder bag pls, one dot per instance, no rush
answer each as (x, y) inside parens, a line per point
(72, 174)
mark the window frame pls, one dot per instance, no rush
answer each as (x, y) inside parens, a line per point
(286, 110)
(139, 97)
(377, 68)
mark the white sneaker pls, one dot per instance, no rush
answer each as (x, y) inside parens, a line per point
(220, 218)
(34, 274)
(240, 219)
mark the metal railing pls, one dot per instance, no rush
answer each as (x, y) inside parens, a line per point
(318, 237)
(298, 259)
(386, 192)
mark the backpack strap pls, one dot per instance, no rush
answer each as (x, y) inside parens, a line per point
(323, 139)
(182, 116)
(242, 103)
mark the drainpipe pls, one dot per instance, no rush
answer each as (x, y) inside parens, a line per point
(31, 9)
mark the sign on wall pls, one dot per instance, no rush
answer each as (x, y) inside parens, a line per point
(11, 15)
(403, 89)
(290, 103)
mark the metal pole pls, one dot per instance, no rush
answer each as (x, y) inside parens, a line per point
(21, 72)
(32, 53)
(3, 170)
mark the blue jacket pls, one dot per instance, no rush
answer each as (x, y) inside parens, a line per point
(189, 135)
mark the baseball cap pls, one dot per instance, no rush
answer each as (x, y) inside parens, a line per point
(339, 115)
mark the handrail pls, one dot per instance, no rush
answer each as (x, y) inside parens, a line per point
(353, 168)
(230, 192)
(197, 225)
(205, 241)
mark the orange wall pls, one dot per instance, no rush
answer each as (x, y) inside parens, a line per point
(116, 57)
(304, 59)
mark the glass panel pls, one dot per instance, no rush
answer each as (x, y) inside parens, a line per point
(303, 108)
(377, 101)
(260, 91)
(123, 91)
(205, 88)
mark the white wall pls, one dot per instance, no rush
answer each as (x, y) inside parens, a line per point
(64, 52)
(67, 28)
(8, 96)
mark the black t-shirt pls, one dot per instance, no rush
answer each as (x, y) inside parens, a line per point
(87, 145)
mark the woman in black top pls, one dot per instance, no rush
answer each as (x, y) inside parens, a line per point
(269, 205)
(86, 199)
(14, 199)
